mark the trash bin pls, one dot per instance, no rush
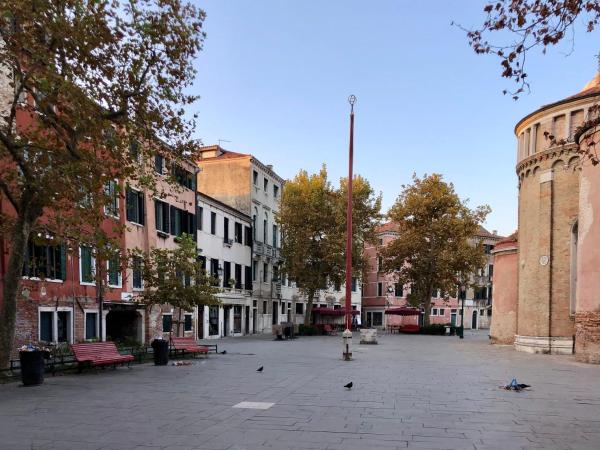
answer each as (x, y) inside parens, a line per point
(160, 349)
(32, 367)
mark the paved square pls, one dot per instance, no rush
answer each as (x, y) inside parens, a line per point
(431, 392)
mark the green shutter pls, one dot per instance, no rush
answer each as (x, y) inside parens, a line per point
(63, 263)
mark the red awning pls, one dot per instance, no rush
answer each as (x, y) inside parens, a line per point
(333, 312)
(403, 311)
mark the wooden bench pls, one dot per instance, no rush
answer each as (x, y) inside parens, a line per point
(99, 354)
(410, 329)
(187, 345)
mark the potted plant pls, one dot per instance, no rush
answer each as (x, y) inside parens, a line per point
(31, 358)
(231, 283)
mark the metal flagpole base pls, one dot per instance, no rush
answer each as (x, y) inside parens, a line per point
(347, 345)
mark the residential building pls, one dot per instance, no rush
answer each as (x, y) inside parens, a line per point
(556, 267)
(253, 188)
(381, 291)
(225, 244)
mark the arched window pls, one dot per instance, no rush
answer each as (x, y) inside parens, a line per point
(574, 238)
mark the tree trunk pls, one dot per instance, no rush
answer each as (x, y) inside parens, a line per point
(179, 323)
(427, 305)
(309, 306)
(12, 283)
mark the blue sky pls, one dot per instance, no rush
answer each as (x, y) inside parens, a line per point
(274, 77)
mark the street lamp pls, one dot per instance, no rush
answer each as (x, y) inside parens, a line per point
(347, 334)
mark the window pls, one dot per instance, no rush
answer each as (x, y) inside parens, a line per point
(275, 273)
(354, 284)
(442, 312)
(265, 272)
(255, 177)
(91, 325)
(214, 271)
(275, 191)
(434, 311)
(237, 319)
(379, 289)
(254, 270)
(248, 236)
(377, 319)
(87, 265)
(481, 312)
(167, 324)
(184, 177)
(226, 273)
(55, 326)
(265, 231)
(282, 308)
(199, 217)
(187, 324)
(275, 236)
(238, 276)
(47, 326)
(135, 206)
(159, 164)
(237, 232)
(161, 216)
(213, 320)
(299, 308)
(248, 277)
(380, 241)
(213, 223)
(181, 222)
(491, 271)
(398, 290)
(225, 229)
(265, 184)
(134, 151)
(379, 263)
(111, 189)
(113, 271)
(254, 224)
(264, 307)
(45, 261)
(136, 272)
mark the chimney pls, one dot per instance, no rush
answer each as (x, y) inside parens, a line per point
(495, 232)
(270, 166)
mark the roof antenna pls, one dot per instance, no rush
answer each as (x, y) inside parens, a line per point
(222, 140)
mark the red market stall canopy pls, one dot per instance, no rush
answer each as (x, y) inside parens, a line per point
(333, 312)
(403, 311)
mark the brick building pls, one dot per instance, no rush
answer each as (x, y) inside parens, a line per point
(555, 308)
(381, 291)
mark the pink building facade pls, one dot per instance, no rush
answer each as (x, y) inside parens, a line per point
(381, 292)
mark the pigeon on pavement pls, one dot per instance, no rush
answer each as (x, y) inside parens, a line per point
(260, 369)
(348, 386)
(224, 352)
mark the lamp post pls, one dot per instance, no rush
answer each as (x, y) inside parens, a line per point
(461, 331)
(347, 334)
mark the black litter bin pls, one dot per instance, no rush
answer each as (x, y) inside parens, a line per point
(32, 367)
(160, 349)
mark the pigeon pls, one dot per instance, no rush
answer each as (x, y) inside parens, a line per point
(260, 369)
(224, 352)
(515, 386)
(348, 386)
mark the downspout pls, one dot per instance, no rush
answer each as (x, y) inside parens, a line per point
(550, 265)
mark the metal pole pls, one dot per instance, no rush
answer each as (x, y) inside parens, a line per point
(462, 313)
(351, 100)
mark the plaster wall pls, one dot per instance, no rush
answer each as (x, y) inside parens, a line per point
(504, 308)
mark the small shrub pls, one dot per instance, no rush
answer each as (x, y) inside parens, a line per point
(436, 329)
(308, 330)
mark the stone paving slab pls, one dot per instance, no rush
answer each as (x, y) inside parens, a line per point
(428, 392)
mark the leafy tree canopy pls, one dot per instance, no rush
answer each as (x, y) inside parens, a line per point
(312, 217)
(435, 244)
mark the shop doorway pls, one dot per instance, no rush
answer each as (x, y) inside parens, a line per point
(124, 326)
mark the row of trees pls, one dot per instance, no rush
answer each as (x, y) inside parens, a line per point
(434, 250)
